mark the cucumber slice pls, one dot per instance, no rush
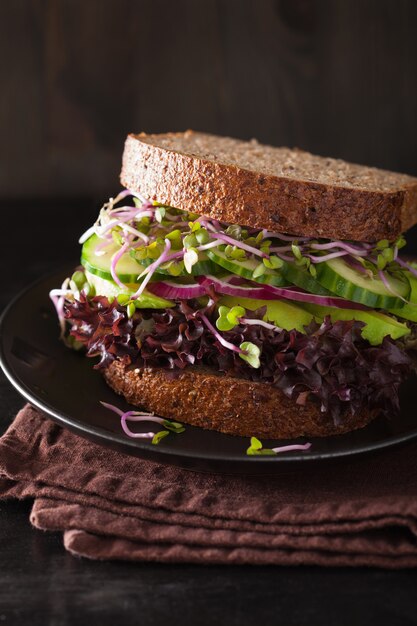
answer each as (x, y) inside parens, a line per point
(301, 277)
(203, 267)
(246, 268)
(99, 264)
(109, 289)
(340, 278)
(408, 311)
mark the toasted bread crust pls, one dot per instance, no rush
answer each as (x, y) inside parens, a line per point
(345, 202)
(234, 406)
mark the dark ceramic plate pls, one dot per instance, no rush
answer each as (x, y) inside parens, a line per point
(63, 384)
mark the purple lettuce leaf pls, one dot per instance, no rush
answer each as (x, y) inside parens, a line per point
(331, 364)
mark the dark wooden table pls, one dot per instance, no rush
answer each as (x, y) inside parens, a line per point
(40, 584)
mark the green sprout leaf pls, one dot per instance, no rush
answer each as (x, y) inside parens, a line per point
(235, 231)
(79, 279)
(238, 254)
(175, 427)
(123, 299)
(202, 236)
(388, 254)
(154, 250)
(143, 224)
(174, 268)
(383, 243)
(175, 238)
(380, 262)
(296, 250)
(250, 354)
(222, 322)
(117, 238)
(160, 213)
(190, 241)
(302, 262)
(255, 443)
(131, 308)
(256, 448)
(259, 238)
(233, 252)
(229, 318)
(140, 253)
(273, 262)
(234, 314)
(158, 436)
(194, 226)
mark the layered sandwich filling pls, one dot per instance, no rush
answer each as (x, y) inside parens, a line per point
(324, 321)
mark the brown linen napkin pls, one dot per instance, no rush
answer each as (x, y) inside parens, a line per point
(113, 506)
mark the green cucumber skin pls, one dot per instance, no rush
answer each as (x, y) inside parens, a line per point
(303, 279)
(409, 311)
(100, 265)
(337, 284)
(328, 278)
(269, 278)
(124, 278)
(201, 268)
(108, 288)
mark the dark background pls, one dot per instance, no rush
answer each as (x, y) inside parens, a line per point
(337, 77)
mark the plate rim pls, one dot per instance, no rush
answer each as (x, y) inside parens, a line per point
(109, 439)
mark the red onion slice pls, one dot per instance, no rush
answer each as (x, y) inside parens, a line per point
(175, 291)
(303, 296)
(230, 289)
(268, 292)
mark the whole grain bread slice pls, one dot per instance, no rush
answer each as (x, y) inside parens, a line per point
(205, 398)
(262, 186)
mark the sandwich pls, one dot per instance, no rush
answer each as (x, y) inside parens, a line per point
(248, 289)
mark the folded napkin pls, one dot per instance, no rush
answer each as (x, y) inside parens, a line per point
(113, 506)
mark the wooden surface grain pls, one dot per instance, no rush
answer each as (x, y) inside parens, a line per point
(331, 76)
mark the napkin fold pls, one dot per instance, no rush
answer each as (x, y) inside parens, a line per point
(113, 506)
